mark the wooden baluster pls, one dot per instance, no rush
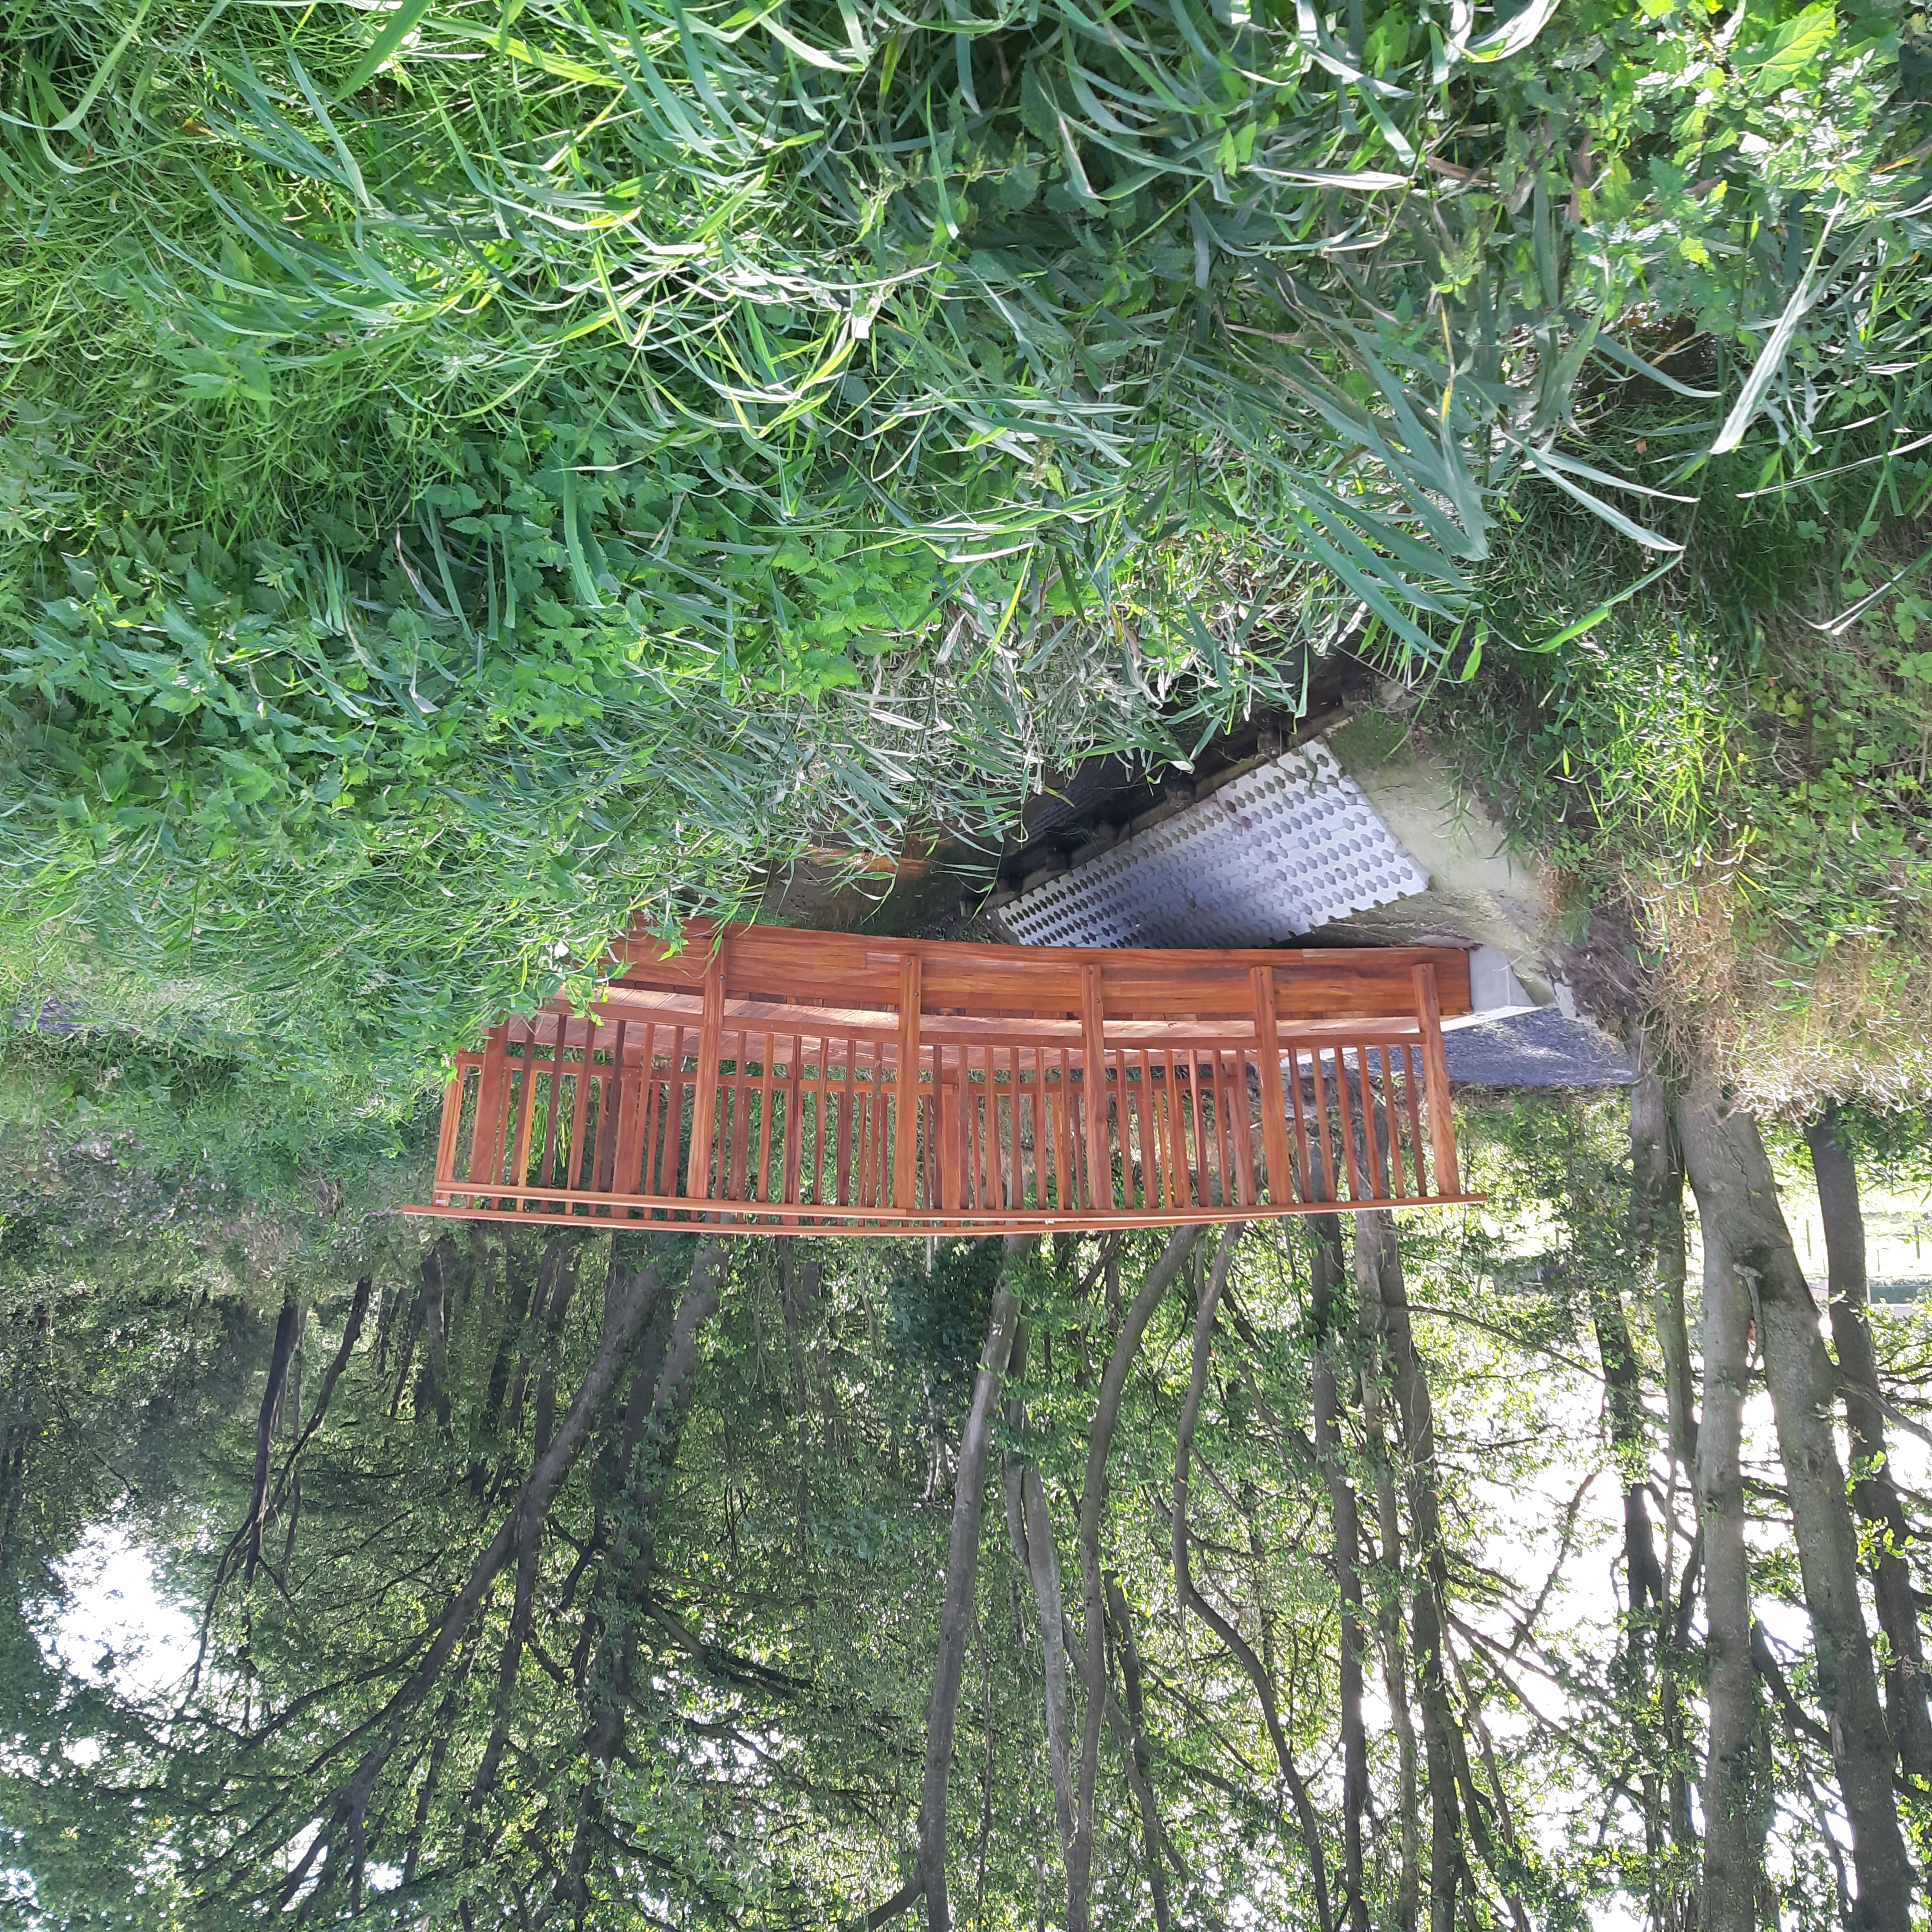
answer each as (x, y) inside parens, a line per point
(1435, 1075)
(580, 1110)
(741, 1120)
(642, 1165)
(1026, 1126)
(1173, 1131)
(795, 1117)
(446, 1138)
(823, 1141)
(1345, 1117)
(1411, 1077)
(1370, 1140)
(1128, 1130)
(1046, 1131)
(673, 1136)
(1391, 1115)
(1038, 1162)
(980, 1105)
(1274, 1110)
(952, 1089)
(1065, 1193)
(761, 1187)
(1301, 1162)
(862, 1126)
(1012, 1185)
(1153, 1180)
(881, 1122)
(932, 1115)
(1169, 1146)
(905, 1125)
(862, 1135)
(527, 1110)
(704, 1099)
(486, 1131)
(1026, 1074)
(847, 1151)
(639, 1095)
(548, 1166)
(1207, 1113)
(995, 1196)
(1328, 1185)
(1094, 1079)
(1026, 1156)
(610, 1114)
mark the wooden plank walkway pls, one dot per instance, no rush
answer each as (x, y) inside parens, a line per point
(764, 1078)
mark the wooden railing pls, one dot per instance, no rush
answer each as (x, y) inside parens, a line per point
(763, 1078)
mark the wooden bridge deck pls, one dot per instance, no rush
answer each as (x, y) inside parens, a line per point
(765, 1079)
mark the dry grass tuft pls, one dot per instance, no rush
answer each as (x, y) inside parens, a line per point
(1854, 1022)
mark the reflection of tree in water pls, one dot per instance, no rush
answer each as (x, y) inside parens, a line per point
(547, 1579)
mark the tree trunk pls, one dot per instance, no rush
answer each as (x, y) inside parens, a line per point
(1735, 1786)
(519, 1278)
(1141, 1760)
(1624, 1386)
(1191, 1599)
(1656, 1234)
(1656, 1241)
(1737, 1200)
(956, 1615)
(432, 1395)
(1377, 1263)
(1874, 1492)
(624, 1313)
(1393, 1643)
(1325, 1278)
(653, 1428)
(1093, 1504)
(798, 1290)
(288, 1327)
(1030, 1531)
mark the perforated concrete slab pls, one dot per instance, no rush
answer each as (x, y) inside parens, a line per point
(1281, 849)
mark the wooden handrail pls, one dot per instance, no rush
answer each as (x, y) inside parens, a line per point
(766, 1077)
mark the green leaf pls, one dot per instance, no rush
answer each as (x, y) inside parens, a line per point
(1595, 617)
(396, 30)
(1781, 61)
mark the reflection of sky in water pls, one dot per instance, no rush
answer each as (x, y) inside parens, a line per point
(113, 1627)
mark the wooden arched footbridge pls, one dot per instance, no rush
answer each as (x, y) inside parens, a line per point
(765, 1079)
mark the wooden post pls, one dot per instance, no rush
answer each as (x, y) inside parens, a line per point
(1274, 1109)
(905, 1127)
(1436, 1079)
(1094, 1042)
(704, 1097)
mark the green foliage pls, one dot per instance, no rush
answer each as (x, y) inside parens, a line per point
(937, 1318)
(1703, 734)
(465, 482)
